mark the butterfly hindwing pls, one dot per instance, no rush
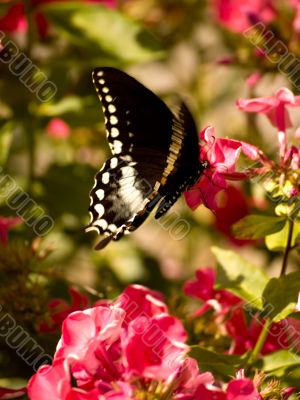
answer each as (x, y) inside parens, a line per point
(155, 155)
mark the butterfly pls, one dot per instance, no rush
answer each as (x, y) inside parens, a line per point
(155, 156)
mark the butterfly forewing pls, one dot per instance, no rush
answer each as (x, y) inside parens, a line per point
(155, 155)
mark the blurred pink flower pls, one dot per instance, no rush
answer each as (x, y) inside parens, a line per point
(253, 79)
(203, 289)
(6, 394)
(234, 207)
(221, 155)
(6, 224)
(238, 15)
(296, 5)
(15, 18)
(59, 309)
(58, 128)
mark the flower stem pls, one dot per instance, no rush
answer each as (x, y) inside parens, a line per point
(287, 248)
(260, 342)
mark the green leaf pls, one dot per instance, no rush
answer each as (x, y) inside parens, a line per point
(70, 104)
(66, 189)
(277, 241)
(6, 135)
(219, 364)
(104, 31)
(280, 296)
(281, 359)
(240, 276)
(257, 226)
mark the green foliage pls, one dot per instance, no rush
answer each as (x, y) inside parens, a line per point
(257, 226)
(277, 241)
(239, 276)
(280, 296)
(220, 364)
(99, 29)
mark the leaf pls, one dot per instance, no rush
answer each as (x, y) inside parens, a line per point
(281, 295)
(281, 359)
(257, 226)
(240, 277)
(102, 30)
(277, 241)
(70, 104)
(6, 135)
(220, 364)
(66, 189)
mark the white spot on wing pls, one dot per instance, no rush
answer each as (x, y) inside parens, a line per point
(113, 120)
(102, 223)
(114, 132)
(100, 73)
(100, 194)
(112, 228)
(117, 146)
(105, 89)
(105, 178)
(113, 162)
(108, 98)
(101, 81)
(111, 108)
(100, 209)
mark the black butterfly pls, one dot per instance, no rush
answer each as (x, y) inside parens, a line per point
(155, 156)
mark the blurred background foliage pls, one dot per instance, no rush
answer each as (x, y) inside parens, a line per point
(52, 149)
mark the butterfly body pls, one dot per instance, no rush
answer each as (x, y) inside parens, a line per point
(155, 156)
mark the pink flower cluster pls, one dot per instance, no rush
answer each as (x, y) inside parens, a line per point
(230, 312)
(115, 350)
(222, 155)
(124, 349)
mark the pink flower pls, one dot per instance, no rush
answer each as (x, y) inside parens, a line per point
(137, 300)
(246, 335)
(242, 389)
(234, 207)
(6, 224)
(160, 343)
(53, 381)
(274, 107)
(57, 128)
(221, 155)
(118, 349)
(238, 15)
(203, 288)
(59, 309)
